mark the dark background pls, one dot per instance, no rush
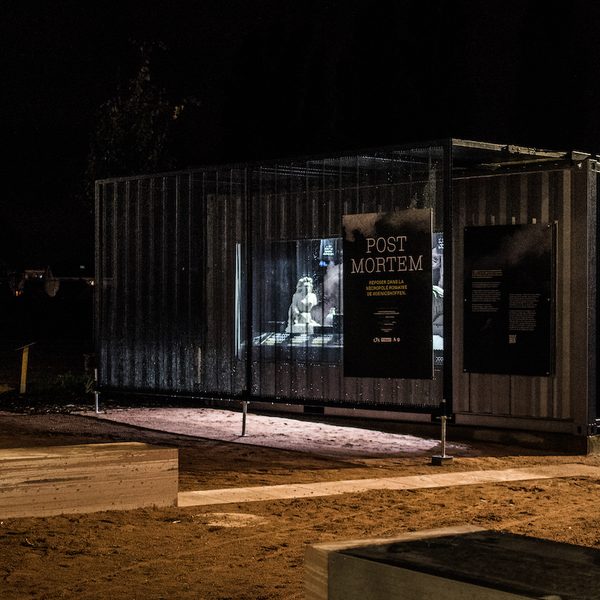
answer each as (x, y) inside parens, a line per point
(275, 78)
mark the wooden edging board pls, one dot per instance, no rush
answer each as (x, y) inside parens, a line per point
(52, 480)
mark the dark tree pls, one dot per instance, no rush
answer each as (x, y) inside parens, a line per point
(133, 128)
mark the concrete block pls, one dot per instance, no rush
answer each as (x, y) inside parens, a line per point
(452, 563)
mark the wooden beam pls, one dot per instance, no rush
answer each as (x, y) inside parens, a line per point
(85, 478)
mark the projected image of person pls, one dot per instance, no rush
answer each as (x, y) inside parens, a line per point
(437, 277)
(299, 313)
(437, 261)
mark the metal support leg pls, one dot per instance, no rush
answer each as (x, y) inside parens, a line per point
(443, 458)
(96, 393)
(244, 415)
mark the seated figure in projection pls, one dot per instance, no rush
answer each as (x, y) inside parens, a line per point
(303, 301)
(438, 317)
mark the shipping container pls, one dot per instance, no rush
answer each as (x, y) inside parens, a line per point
(200, 273)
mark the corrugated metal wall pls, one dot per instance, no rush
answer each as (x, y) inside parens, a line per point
(172, 279)
(560, 196)
(171, 258)
(165, 270)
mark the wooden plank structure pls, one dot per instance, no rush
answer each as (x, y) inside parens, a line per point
(53, 480)
(452, 563)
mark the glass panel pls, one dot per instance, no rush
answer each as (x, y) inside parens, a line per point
(296, 221)
(175, 271)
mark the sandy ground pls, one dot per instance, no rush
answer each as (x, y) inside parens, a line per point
(311, 437)
(255, 550)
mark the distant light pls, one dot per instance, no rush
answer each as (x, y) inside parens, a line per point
(82, 266)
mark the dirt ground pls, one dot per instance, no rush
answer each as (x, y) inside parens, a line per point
(256, 550)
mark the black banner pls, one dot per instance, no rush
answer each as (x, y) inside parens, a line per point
(508, 299)
(388, 295)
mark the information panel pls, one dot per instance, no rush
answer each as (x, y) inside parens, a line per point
(508, 299)
(388, 295)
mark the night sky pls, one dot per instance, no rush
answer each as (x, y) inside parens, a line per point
(274, 78)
